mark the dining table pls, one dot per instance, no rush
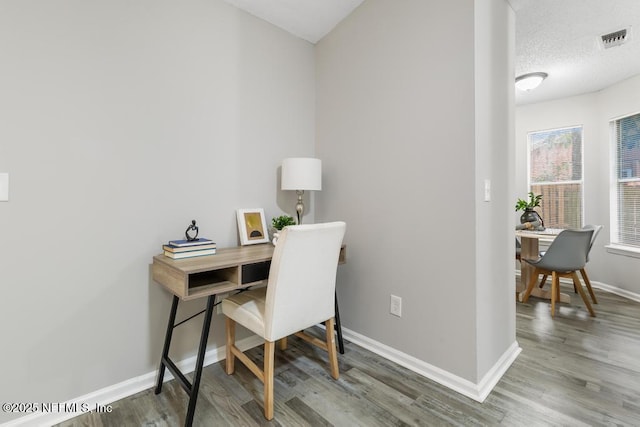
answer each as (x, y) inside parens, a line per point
(530, 249)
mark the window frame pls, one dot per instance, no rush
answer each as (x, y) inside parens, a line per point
(581, 181)
(615, 246)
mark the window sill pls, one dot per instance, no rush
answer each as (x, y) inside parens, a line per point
(629, 251)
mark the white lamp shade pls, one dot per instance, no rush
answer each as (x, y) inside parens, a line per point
(301, 173)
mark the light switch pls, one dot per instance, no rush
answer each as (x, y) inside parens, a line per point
(4, 187)
(487, 190)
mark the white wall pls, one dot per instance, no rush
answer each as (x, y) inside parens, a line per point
(592, 111)
(120, 122)
(398, 132)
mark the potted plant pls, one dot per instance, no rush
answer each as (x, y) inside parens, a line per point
(529, 215)
(280, 222)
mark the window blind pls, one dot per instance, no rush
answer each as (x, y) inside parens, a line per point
(627, 206)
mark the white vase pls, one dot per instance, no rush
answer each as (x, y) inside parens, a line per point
(276, 234)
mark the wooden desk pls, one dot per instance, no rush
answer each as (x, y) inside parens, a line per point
(529, 241)
(230, 269)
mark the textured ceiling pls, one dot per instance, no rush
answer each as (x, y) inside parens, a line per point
(559, 37)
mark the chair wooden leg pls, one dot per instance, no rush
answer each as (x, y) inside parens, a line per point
(269, 352)
(555, 283)
(578, 286)
(282, 343)
(230, 326)
(331, 348)
(587, 283)
(532, 283)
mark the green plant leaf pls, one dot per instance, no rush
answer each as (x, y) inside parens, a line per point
(534, 201)
(282, 221)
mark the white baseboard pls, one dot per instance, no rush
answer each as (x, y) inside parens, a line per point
(491, 378)
(121, 390)
(478, 392)
(617, 291)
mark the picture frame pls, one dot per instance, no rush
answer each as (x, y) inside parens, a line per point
(252, 226)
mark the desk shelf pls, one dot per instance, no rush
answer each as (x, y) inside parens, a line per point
(229, 269)
(217, 288)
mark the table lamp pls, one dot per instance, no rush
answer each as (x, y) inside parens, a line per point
(300, 174)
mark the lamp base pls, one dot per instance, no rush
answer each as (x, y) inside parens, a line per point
(300, 206)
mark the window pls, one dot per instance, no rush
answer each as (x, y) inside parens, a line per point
(555, 171)
(625, 218)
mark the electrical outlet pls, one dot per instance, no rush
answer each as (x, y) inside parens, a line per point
(396, 306)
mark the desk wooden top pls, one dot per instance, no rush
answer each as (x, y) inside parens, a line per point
(547, 234)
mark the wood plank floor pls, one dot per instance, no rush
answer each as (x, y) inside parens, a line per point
(573, 371)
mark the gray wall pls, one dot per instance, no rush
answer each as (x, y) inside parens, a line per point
(593, 111)
(398, 88)
(121, 121)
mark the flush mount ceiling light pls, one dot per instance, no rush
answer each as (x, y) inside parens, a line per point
(527, 82)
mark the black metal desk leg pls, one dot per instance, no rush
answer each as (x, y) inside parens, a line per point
(339, 327)
(200, 361)
(167, 343)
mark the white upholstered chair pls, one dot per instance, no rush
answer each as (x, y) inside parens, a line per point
(300, 293)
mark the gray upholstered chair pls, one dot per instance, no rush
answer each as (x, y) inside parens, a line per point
(567, 254)
(300, 293)
(596, 230)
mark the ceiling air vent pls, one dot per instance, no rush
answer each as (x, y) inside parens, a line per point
(614, 39)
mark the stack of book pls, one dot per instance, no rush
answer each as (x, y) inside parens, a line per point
(179, 249)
